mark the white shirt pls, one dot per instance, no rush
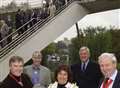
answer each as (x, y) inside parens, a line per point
(68, 85)
(112, 78)
(86, 63)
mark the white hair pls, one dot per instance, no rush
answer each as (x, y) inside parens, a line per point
(84, 48)
(110, 56)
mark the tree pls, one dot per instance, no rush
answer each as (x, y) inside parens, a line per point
(49, 50)
(98, 39)
(116, 41)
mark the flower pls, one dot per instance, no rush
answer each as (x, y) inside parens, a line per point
(71, 85)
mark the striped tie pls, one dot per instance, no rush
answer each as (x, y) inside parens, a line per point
(107, 83)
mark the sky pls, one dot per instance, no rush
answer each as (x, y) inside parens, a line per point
(31, 2)
(5, 2)
(106, 19)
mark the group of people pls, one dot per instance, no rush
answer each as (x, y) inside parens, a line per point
(88, 74)
(85, 74)
(26, 19)
(32, 16)
(5, 30)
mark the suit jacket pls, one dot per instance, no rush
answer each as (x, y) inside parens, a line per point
(89, 78)
(9, 82)
(116, 83)
(45, 75)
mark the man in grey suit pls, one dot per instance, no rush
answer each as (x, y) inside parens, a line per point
(108, 66)
(40, 75)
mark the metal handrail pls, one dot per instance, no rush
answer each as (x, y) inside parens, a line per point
(15, 32)
(15, 42)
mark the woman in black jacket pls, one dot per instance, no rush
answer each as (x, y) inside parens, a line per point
(16, 78)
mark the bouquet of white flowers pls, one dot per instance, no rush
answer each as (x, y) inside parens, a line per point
(68, 85)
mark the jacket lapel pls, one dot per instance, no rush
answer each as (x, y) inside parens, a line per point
(117, 81)
(101, 81)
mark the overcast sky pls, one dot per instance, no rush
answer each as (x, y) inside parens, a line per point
(31, 2)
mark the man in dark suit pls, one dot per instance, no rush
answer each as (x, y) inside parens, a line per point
(87, 73)
(108, 64)
(18, 21)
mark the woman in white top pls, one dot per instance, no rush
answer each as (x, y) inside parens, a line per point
(63, 78)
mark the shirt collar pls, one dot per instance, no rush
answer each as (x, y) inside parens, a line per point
(86, 63)
(36, 67)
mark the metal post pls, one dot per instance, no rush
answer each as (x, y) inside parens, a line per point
(67, 57)
(78, 34)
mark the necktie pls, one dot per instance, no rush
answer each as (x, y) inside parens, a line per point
(83, 67)
(107, 83)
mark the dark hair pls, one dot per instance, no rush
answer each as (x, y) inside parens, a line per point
(66, 69)
(15, 59)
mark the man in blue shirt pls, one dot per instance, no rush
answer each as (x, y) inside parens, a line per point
(40, 75)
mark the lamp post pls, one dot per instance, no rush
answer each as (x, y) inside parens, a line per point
(67, 58)
(77, 28)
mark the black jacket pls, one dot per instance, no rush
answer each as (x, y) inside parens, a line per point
(9, 82)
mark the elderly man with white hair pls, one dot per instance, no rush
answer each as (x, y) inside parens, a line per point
(108, 66)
